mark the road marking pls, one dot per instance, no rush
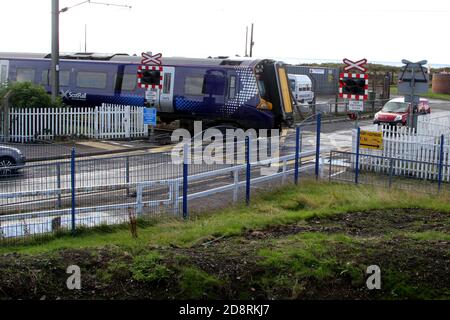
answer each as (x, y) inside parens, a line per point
(99, 145)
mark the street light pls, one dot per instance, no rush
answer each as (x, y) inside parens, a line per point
(55, 39)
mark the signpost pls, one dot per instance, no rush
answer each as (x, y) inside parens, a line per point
(150, 76)
(371, 140)
(413, 80)
(354, 86)
(150, 116)
(356, 105)
(150, 119)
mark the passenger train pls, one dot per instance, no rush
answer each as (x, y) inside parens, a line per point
(238, 92)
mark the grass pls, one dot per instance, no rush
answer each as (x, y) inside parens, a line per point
(430, 94)
(286, 205)
(279, 250)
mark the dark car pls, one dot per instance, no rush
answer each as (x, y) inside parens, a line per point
(11, 160)
(396, 111)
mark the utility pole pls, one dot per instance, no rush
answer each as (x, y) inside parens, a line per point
(246, 41)
(55, 50)
(55, 39)
(413, 86)
(251, 42)
(85, 38)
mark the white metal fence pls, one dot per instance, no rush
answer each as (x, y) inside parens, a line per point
(434, 124)
(105, 122)
(418, 154)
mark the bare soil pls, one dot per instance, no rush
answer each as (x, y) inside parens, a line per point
(412, 267)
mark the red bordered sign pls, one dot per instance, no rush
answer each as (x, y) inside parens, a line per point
(359, 65)
(345, 90)
(140, 75)
(150, 59)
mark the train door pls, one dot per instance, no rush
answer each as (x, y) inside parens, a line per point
(166, 93)
(4, 70)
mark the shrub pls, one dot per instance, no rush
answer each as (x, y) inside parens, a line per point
(28, 95)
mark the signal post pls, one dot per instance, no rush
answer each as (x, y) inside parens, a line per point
(354, 86)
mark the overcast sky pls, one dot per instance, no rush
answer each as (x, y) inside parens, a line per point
(379, 30)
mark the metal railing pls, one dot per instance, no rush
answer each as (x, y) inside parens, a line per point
(350, 167)
(45, 199)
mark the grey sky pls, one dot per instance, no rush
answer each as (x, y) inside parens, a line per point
(381, 30)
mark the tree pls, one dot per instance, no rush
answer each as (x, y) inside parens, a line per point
(28, 95)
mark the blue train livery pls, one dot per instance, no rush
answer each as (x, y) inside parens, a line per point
(242, 93)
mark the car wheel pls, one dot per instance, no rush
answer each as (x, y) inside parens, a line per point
(6, 166)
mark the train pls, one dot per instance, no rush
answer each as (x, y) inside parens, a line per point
(238, 92)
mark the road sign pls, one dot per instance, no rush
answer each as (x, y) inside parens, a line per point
(150, 116)
(150, 77)
(355, 65)
(371, 140)
(356, 105)
(149, 59)
(354, 86)
(413, 79)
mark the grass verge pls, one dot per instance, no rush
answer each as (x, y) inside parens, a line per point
(312, 241)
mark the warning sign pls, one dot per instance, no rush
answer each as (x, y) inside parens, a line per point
(371, 140)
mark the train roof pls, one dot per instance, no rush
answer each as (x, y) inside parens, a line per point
(125, 58)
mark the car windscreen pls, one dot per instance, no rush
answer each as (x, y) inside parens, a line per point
(392, 106)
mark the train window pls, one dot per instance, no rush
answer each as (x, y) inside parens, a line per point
(25, 75)
(261, 86)
(129, 82)
(167, 80)
(94, 80)
(64, 78)
(3, 75)
(214, 83)
(193, 86)
(232, 87)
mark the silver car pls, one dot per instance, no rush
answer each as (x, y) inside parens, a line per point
(11, 160)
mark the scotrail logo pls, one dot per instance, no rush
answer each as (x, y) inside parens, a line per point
(69, 95)
(221, 145)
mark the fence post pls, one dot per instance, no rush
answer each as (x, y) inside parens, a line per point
(319, 123)
(391, 171)
(247, 172)
(329, 166)
(358, 132)
(185, 180)
(297, 153)
(96, 123)
(72, 174)
(441, 162)
(236, 185)
(127, 174)
(58, 183)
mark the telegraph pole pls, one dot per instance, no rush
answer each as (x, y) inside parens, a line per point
(55, 50)
(251, 42)
(55, 39)
(246, 41)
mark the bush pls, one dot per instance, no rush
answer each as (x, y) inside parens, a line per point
(29, 95)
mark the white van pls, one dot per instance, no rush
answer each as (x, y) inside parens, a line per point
(301, 86)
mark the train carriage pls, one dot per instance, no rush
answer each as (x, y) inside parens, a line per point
(242, 93)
